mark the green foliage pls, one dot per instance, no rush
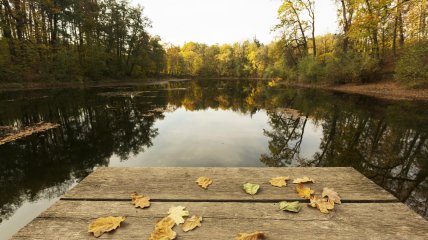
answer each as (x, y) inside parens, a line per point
(309, 70)
(76, 40)
(351, 68)
(412, 67)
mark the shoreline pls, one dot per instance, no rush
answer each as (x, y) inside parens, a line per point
(6, 87)
(385, 90)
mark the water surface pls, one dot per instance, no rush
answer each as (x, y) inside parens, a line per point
(224, 123)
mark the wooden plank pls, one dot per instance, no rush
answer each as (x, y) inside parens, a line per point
(178, 184)
(69, 220)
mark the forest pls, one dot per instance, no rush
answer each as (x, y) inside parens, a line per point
(71, 40)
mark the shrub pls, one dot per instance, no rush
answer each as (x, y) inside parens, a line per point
(412, 67)
(309, 69)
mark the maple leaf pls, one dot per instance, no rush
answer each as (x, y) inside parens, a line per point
(251, 236)
(140, 200)
(324, 205)
(331, 195)
(279, 181)
(290, 206)
(177, 214)
(192, 223)
(304, 192)
(104, 224)
(163, 230)
(303, 180)
(251, 188)
(204, 182)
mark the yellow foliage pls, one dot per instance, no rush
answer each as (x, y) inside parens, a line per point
(251, 236)
(192, 223)
(303, 191)
(140, 200)
(105, 224)
(279, 181)
(204, 182)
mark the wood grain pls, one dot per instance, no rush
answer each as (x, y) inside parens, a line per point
(178, 184)
(69, 220)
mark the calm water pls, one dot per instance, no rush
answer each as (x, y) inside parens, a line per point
(205, 123)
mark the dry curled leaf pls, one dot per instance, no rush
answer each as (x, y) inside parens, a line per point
(177, 214)
(304, 192)
(140, 200)
(105, 224)
(204, 182)
(331, 195)
(290, 206)
(303, 180)
(279, 181)
(192, 223)
(324, 205)
(251, 236)
(251, 188)
(163, 230)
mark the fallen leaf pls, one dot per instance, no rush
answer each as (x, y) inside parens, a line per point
(177, 214)
(204, 182)
(290, 206)
(140, 200)
(251, 188)
(324, 205)
(304, 192)
(192, 223)
(105, 224)
(303, 180)
(163, 230)
(251, 236)
(279, 181)
(331, 195)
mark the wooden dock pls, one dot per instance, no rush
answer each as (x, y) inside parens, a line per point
(367, 211)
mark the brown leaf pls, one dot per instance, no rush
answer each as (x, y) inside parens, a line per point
(279, 181)
(192, 223)
(163, 230)
(204, 182)
(105, 224)
(303, 180)
(331, 195)
(324, 205)
(251, 236)
(304, 192)
(140, 200)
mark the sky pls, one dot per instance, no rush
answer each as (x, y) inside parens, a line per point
(224, 21)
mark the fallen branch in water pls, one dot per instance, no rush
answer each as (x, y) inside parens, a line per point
(27, 131)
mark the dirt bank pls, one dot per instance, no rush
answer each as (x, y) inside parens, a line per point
(385, 90)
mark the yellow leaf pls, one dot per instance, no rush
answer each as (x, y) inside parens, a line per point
(331, 195)
(204, 182)
(177, 214)
(163, 230)
(279, 181)
(322, 204)
(251, 236)
(140, 200)
(303, 180)
(304, 192)
(105, 224)
(192, 223)
(251, 188)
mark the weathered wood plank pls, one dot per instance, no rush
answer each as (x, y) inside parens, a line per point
(179, 184)
(69, 220)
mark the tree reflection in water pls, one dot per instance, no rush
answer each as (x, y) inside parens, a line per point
(386, 142)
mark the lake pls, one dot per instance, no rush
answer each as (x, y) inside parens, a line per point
(200, 123)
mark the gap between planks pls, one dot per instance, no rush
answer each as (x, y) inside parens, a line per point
(224, 200)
